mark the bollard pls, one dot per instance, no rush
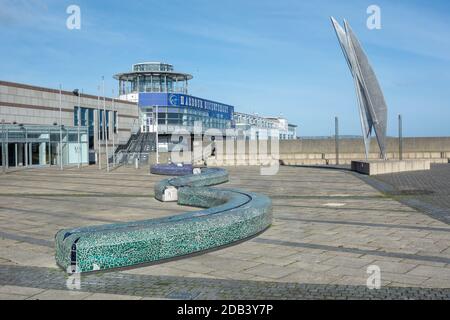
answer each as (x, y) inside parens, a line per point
(336, 138)
(136, 163)
(400, 137)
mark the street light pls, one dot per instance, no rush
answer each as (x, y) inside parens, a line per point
(98, 133)
(157, 138)
(3, 146)
(104, 127)
(77, 93)
(60, 128)
(114, 129)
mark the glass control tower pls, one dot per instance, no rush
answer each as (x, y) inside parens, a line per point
(164, 102)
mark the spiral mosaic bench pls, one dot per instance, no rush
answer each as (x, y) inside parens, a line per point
(230, 215)
(171, 169)
(208, 177)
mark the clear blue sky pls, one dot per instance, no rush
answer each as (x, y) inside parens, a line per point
(268, 57)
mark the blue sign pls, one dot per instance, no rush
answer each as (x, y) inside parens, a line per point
(214, 109)
(152, 99)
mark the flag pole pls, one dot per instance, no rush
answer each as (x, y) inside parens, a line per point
(60, 128)
(104, 126)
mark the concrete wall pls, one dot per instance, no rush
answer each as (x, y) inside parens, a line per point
(323, 151)
(319, 151)
(432, 144)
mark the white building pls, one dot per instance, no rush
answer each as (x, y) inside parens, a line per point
(287, 130)
(259, 127)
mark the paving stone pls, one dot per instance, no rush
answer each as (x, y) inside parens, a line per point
(277, 261)
(311, 267)
(437, 203)
(428, 271)
(407, 279)
(320, 252)
(270, 271)
(225, 274)
(310, 277)
(9, 296)
(26, 291)
(348, 262)
(393, 267)
(60, 295)
(105, 296)
(436, 283)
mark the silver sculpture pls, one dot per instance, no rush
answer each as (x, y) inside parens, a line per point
(372, 106)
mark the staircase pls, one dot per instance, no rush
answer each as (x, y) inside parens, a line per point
(138, 147)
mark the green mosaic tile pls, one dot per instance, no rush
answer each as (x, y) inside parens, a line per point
(231, 215)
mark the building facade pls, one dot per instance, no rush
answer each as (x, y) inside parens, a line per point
(165, 105)
(43, 126)
(259, 127)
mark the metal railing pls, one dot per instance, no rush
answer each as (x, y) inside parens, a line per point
(136, 159)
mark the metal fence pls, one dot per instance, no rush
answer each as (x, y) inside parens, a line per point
(136, 159)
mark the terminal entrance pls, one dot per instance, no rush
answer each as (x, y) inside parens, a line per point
(28, 146)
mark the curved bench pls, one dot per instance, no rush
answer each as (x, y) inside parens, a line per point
(171, 169)
(208, 177)
(231, 215)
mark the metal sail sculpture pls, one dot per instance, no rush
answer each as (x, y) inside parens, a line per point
(372, 106)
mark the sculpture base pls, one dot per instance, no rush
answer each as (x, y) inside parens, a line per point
(376, 167)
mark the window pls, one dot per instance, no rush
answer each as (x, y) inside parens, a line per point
(107, 124)
(100, 125)
(115, 125)
(84, 112)
(91, 128)
(75, 116)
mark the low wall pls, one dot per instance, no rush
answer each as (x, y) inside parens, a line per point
(323, 151)
(376, 167)
(414, 144)
(313, 152)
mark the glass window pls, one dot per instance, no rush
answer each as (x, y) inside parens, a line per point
(115, 121)
(100, 125)
(107, 124)
(84, 112)
(73, 137)
(75, 116)
(173, 115)
(91, 128)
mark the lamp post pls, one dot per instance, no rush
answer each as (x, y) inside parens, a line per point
(60, 128)
(79, 129)
(24, 154)
(336, 137)
(400, 137)
(99, 150)
(26, 147)
(157, 138)
(104, 126)
(113, 129)
(3, 146)
(77, 93)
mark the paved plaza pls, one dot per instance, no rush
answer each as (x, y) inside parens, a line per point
(329, 226)
(427, 191)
